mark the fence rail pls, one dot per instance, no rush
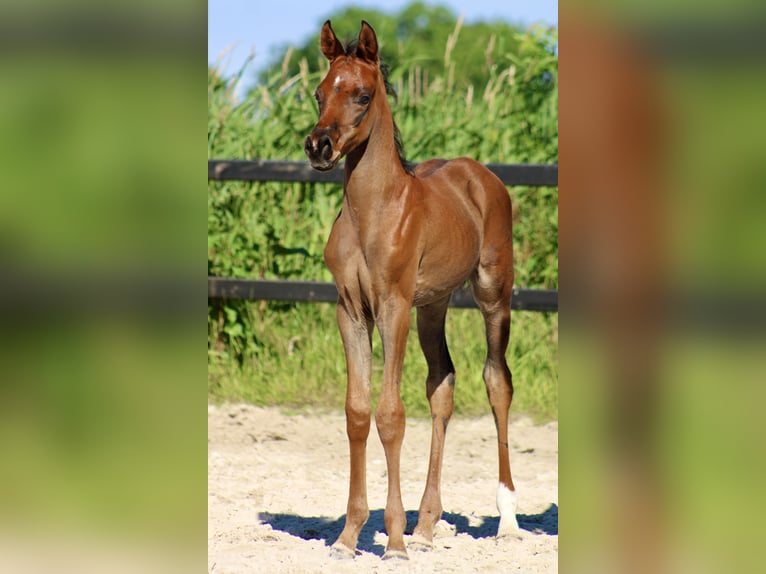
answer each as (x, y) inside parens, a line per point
(301, 171)
(319, 292)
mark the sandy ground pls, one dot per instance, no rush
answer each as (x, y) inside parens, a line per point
(277, 487)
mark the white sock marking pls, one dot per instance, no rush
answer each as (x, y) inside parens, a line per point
(506, 505)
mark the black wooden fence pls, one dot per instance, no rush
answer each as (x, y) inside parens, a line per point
(313, 291)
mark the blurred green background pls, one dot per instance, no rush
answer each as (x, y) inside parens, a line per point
(662, 362)
(102, 227)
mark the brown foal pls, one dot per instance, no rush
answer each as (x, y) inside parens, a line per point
(402, 239)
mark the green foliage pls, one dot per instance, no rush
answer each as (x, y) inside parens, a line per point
(416, 35)
(299, 362)
(291, 353)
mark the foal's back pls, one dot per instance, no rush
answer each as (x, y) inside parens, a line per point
(464, 179)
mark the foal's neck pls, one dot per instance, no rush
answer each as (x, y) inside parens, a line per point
(374, 172)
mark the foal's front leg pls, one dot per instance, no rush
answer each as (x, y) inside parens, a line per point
(394, 324)
(356, 332)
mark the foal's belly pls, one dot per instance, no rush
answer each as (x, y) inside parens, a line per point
(428, 295)
(447, 261)
(436, 281)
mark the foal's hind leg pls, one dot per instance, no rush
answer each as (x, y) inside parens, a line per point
(439, 389)
(492, 286)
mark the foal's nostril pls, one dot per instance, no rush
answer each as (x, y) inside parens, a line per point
(325, 147)
(318, 149)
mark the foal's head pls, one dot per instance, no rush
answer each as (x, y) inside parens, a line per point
(345, 97)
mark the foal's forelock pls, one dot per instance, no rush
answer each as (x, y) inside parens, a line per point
(351, 47)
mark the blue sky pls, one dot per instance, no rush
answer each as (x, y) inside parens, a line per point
(244, 26)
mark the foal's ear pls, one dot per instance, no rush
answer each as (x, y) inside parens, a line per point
(367, 47)
(329, 44)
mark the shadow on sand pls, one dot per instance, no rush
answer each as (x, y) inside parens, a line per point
(322, 528)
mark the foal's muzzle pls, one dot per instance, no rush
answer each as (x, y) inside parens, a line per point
(319, 149)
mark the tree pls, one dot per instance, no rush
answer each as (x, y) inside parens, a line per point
(418, 36)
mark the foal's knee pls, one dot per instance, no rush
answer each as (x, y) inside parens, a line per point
(389, 419)
(357, 420)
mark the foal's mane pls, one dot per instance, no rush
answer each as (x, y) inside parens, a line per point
(350, 49)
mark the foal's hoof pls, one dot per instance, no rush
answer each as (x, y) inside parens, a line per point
(419, 543)
(444, 529)
(395, 555)
(509, 535)
(340, 551)
(509, 530)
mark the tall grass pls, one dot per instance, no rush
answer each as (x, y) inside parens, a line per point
(277, 353)
(299, 363)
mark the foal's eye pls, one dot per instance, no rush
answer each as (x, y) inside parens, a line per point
(363, 100)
